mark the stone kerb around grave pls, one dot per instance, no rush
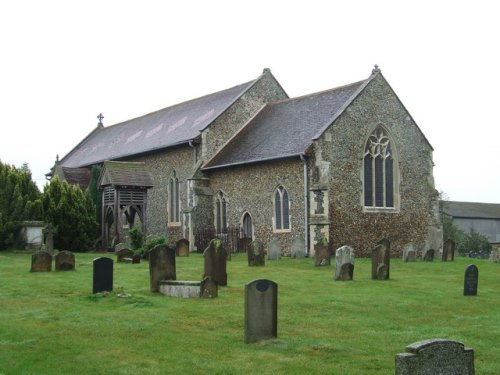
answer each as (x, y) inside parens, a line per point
(344, 263)
(435, 356)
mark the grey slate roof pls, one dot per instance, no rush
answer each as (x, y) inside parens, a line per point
(130, 174)
(286, 128)
(472, 210)
(168, 127)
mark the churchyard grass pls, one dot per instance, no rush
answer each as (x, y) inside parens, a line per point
(51, 323)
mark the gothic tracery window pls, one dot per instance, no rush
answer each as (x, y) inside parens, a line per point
(174, 201)
(281, 209)
(220, 213)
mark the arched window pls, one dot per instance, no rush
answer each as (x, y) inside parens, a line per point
(174, 200)
(379, 171)
(281, 209)
(220, 213)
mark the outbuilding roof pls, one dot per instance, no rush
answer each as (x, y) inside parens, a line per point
(125, 174)
(472, 210)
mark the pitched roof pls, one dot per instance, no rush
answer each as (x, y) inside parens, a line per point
(286, 128)
(472, 210)
(80, 176)
(130, 174)
(168, 127)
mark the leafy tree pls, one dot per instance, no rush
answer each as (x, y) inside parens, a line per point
(96, 194)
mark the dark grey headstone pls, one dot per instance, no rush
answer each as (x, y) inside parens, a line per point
(65, 261)
(244, 244)
(161, 266)
(322, 254)
(41, 261)
(256, 255)
(429, 255)
(298, 248)
(435, 356)
(261, 310)
(274, 250)
(448, 250)
(208, 288)
(182, 248)
(103, 275)
(124, 256)
(470, 280)
(344, 263)
(215, 262)
(381, 257)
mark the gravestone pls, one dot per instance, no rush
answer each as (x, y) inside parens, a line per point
(102, 275)
(322, 253)
(65, 261)
(136, 259)
(255, 254)
(448, 250)
(161, 265)
(215, 262)
(120, 246)
(182, 248)
(409, 253)
(429, 255)
(381, 257)
(124, 256)
(495, 255)
(435, 356)
(49, 232)
(41, 261)
(261, 310)
(344, 263)
(244, 244)
(298, 248)
(470, 280)
(208, 288)
(274, 250)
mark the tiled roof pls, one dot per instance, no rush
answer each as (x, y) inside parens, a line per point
(80, 176)
(119, 173)
(165, 128)
(286, 128)
(472, 210)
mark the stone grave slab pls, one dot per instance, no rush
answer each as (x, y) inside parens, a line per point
(381, 257)
(344, 263)
(274, 250)
(215, 262)
(102, 275)
(256, 255)
(471, 279)
(41, 261)
(261, 310)
(65, 261)
(298, 248)
(182, 248)
(161, 265)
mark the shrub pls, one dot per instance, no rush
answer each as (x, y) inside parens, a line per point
(136, 238)
(150, 243)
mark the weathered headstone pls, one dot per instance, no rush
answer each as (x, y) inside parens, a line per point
(182, 248)
(124, 256)
(65, 261)
(429, 255)
(344, 263)
(102, 275)
(495, 255)
(161, 265)
(322, 253)
(448, 250)
(381, 257)
(244, 244)
(208, 288)
(261, 310)
(49, 232)
(255, 254)
(409, 253)
(274, 250)
(41, 261)
(470, 280)
(215, 262)
(298, 248)
(120, 246)
(435, 356)
(136, 259)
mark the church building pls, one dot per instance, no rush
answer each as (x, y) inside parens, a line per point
(348, 165)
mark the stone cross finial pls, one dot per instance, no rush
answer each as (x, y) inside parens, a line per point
(375, 69)
(100, 117)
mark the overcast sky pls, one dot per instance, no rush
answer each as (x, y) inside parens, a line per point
(64, 62)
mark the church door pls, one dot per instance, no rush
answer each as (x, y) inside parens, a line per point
(246, 233)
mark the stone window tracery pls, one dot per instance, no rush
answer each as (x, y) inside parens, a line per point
(174, 201)
(281, 209)
(220, 213)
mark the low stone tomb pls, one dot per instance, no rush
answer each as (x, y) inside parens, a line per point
(322, 253)
(344, 263)
(381, 257)
(435, 356)
(298, 248)
(261, 310)
(161, 265)
(65, 261)
(428, 255)
(182, 248)
(215, 262)
(448, 250)
(274, 250)
(207, 288)
(409, 253)
(41, 261)
(102, 278)
(124, 256)
(256, 255)
(470, 280)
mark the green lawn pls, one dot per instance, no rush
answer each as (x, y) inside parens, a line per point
(50, 323)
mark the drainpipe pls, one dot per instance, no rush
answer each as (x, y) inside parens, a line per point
(306, 206)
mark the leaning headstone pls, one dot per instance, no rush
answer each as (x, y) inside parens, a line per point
(215, 262)
(435, 356)
(208, 288)
(322, 253)
(261, 310)
(182, 248)
(429, 255)
(448, 250)
(161, 266)
(495, 255)
(409, 253)
(124, 256)
(298, 248)
(344, 263)
(381, 257)
(255, 254)
(41, 261)
(65, 261)
(470, 280)
(102, 275)
(274, 250)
